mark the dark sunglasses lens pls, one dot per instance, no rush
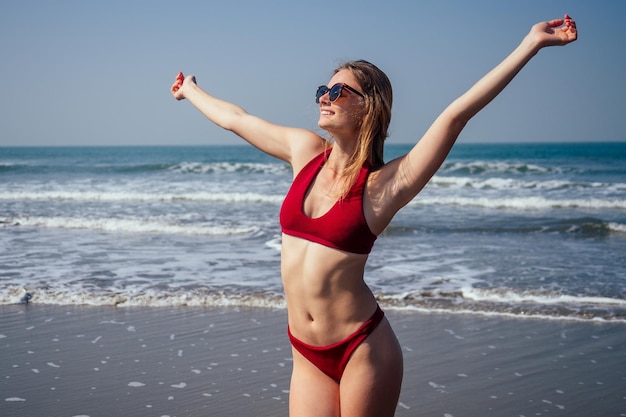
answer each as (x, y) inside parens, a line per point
(335, 92)
(321, 90)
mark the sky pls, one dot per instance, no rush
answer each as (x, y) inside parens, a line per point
(98, 72)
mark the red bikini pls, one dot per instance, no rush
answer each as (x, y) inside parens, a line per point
(333, 359)
(344, 228)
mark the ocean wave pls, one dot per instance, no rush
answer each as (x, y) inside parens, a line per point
(17, 165)
(505, 303)
(128, 225)
(200, 297)
(537, 297)
(585, 226)
(482, 167)
(149, 168)
(524, 203)
(7, 166)
(224, 167)
(110, 196)
(518, 184)
(503, 202)
(617, 227)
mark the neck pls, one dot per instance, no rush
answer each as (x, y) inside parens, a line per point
(340, 156)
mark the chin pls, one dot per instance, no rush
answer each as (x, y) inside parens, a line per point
(324, 123)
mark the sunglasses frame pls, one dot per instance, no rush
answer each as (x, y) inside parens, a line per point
(334, 92)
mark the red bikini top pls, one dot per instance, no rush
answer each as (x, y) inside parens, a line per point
(342, 227)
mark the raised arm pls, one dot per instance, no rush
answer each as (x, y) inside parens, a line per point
(281, 142)
(410, 173)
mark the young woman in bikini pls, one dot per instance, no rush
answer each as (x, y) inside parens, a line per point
(346, 358)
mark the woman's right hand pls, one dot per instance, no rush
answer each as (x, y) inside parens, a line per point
(177, 88)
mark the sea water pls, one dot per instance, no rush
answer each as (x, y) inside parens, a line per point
(529, 230)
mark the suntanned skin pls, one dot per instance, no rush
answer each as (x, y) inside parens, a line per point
(326, 295)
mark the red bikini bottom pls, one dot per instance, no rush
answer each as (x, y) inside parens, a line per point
(333, 359)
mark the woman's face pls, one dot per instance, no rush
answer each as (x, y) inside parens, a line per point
(343, 115)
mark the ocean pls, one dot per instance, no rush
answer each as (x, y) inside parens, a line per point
(524, 230)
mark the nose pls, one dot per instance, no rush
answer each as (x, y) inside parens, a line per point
(325, 98)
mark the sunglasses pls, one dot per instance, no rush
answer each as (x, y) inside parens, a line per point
(334, 92)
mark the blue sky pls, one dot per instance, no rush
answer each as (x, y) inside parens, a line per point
(99, 72)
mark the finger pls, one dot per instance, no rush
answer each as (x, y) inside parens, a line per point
(555, 22)
(570, 26)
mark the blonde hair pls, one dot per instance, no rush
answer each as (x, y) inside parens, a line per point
(378, 98)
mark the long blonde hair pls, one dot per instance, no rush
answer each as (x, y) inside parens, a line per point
(378, 94)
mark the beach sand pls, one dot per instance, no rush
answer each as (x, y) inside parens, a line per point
(161, 361)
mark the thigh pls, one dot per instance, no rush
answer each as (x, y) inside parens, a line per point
(371, 383)
(312, 393)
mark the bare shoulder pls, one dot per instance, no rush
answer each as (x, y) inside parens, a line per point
(305, 145)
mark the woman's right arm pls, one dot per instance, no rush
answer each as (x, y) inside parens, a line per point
(282, 142)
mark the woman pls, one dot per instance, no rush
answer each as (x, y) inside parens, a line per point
(346, 358)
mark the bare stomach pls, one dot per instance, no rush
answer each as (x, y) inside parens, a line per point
(327, 298)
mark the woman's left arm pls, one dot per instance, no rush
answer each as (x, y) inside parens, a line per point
(411, 172)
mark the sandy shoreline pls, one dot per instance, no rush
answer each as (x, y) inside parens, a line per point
(96, 361)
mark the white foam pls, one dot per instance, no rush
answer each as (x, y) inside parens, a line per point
(129, 225)
(227, 167)
(510, 184)
(505, 314)
(64, 295)
(476, 167)
(617, 227)
(134, 196)
(522, 203)
(275, 243)
(511, 297)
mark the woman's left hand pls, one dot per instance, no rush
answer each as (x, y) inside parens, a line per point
(555, 32)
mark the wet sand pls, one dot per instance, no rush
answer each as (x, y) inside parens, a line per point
(161, 361)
